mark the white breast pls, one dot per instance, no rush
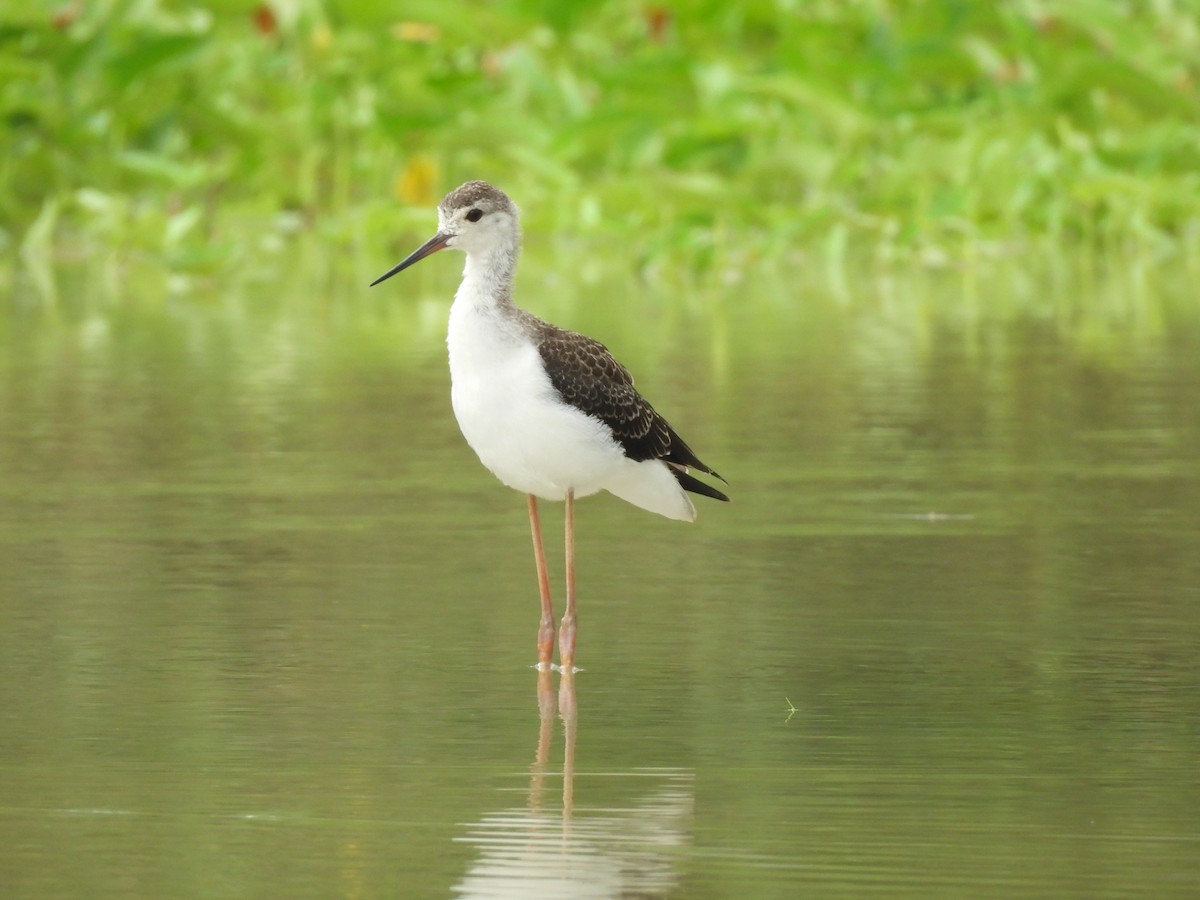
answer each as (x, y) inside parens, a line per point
(513, 418)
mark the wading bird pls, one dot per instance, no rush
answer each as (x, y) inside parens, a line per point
(550, 412)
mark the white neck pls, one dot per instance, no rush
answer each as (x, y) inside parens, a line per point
(488, 277)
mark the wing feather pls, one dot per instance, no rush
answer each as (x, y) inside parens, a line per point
(589, 378)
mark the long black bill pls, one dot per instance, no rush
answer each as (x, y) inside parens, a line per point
(433, 245)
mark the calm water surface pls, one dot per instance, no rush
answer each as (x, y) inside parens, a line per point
(267, 624)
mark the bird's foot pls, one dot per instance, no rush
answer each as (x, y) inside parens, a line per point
(555, 667)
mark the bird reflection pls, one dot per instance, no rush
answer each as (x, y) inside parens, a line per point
(598, 851)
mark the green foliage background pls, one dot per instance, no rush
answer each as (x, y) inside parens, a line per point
(937, 130)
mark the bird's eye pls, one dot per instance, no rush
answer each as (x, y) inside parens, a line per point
(475, 215)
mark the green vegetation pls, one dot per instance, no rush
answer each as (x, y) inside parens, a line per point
(206, 136)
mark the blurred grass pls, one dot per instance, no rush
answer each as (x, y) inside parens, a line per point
(207, 137)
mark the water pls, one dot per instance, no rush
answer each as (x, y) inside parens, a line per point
(267, 624)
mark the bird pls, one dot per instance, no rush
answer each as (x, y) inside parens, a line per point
(550, 412)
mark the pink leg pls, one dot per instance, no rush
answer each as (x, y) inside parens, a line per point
(545, 641)
(566, 632)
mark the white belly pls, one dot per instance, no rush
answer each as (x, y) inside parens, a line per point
(515, 421)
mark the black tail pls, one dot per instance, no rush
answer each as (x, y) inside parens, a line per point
(696, 486)
(680, 454)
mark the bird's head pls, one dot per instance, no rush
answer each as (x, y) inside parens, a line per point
(475, 218)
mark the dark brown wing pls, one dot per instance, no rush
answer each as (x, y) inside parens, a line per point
(589, 378)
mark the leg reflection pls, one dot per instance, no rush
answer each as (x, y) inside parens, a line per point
(545, 699)
(621, 840)
(568, 710)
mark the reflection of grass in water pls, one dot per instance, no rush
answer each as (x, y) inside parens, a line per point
(937, 132)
